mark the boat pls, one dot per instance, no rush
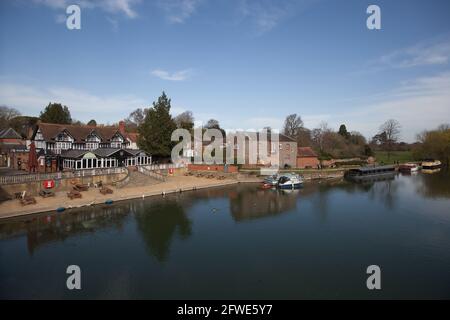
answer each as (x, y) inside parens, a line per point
(370, 173)
(290, 181)
(408, 167)
(265, 185)
(271, 180)
(431, 164)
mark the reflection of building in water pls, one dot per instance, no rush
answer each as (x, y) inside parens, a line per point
(46, 229)
(256, 203)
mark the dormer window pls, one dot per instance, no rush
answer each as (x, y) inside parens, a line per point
(39, 135)
(63, 136)
(92, 138)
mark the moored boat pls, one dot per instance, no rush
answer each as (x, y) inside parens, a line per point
(408, 168)
(431, 165)
(290, 181)
(370, 173)
(272, 180)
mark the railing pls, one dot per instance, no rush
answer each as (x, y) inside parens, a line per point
(123, 182)
(164, 166)
(151, 173)
(26, 178)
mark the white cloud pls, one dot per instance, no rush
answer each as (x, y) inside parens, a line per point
(419, 104)
(125, 7)
(83, 105)
(178, 11)
(265, 15)
(175, 76)
(428, 53)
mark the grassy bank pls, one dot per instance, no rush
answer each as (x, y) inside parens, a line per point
(396, 156)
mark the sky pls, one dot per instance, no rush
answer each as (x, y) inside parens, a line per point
(247, 63)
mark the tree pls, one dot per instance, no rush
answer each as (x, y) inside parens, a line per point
(212, 124)
(319, 134)
(6, 115)
(24, 125)
(92, 123)
(185, 120)
(434, 144)
(292, 126)
(136, 117)
(156, 130)
(390, 133)
(56, 113)
(343, 131)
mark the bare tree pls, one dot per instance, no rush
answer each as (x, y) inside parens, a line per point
(390, 131)
(185, 120)
(319, 134)
(292, 125)
(6, 115)
(212, 124)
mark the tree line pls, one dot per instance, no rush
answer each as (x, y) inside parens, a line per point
(155, 125)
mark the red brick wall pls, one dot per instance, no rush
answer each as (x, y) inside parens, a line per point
(307, 162)
(205, 167)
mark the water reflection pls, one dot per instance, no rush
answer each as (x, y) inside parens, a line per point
(255, 203)
(41, 230)
(159, 222)
(436, 185)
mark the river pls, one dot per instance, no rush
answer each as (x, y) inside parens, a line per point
(239, 242)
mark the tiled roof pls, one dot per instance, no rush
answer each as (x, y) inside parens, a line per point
(9, 133)
(100, 152)
(133, 136)
(304, 152)
(73, 153)
(79, 133)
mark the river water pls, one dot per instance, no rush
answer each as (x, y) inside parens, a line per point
(241, 242)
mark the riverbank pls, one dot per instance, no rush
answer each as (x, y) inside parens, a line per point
(13, 208)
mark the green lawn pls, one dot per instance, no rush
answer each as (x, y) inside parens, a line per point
(400, 156)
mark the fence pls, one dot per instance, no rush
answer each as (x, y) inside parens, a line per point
(26, 178)
(164, 166)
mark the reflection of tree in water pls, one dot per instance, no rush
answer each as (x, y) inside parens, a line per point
(158, 223)
(436, 185)
(254, 203)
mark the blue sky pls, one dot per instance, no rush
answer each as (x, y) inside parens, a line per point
(247, 63)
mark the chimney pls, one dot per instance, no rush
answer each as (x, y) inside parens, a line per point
(122, 127)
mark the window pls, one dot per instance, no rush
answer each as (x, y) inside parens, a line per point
(91, 146)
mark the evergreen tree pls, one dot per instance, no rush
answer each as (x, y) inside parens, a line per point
(156, 129)
(56, 113)
(343, 131)
(92, 123)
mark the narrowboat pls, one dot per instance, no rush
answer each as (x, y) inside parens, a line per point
(370, 173)
(290, 181)
(408, 168)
